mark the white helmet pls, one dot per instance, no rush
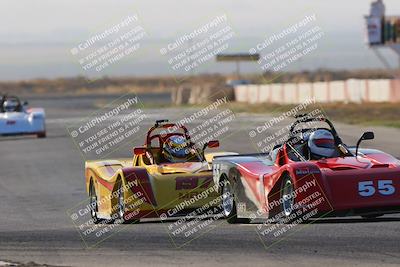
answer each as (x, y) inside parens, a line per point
(321, 144)
(10, 105)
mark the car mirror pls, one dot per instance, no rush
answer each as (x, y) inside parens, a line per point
(364, 136)
(139, 150)
(368, 136)
(25, 103)
(213, 144)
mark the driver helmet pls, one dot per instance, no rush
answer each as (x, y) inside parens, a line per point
(10, 105)
(176, 149)
(321, 144)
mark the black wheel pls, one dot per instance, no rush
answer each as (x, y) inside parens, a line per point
(288, 200)
(122, 207)
(229, 204)
(121, 204)
(41, 135)
(94, 208)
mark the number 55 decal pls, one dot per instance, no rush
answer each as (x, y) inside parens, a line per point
(367, 188)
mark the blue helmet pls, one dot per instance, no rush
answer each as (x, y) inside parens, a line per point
(176, 149)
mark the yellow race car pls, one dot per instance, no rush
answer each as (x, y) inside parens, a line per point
(168, 177)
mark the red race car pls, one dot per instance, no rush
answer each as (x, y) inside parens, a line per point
(312, 170)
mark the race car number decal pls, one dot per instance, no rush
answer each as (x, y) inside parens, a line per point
(185, 183)
(367, 188)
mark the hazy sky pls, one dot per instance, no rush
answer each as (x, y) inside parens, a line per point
(36, 35)
(163, 18)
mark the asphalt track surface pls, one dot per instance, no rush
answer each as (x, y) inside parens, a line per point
(41, 179)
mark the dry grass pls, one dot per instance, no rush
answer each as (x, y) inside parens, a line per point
(105, 85)
(384, 114)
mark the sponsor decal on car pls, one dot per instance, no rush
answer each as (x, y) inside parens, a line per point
(306, 171)
(187, 183)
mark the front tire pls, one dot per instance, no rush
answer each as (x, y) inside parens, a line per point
(94, 208)
(121, 207)
(229, 204)
(288, 201)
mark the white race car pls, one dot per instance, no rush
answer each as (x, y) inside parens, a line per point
(16, 119)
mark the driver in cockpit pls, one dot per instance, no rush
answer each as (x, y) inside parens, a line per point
(177, 149)
(10, 105)
(321, 144)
